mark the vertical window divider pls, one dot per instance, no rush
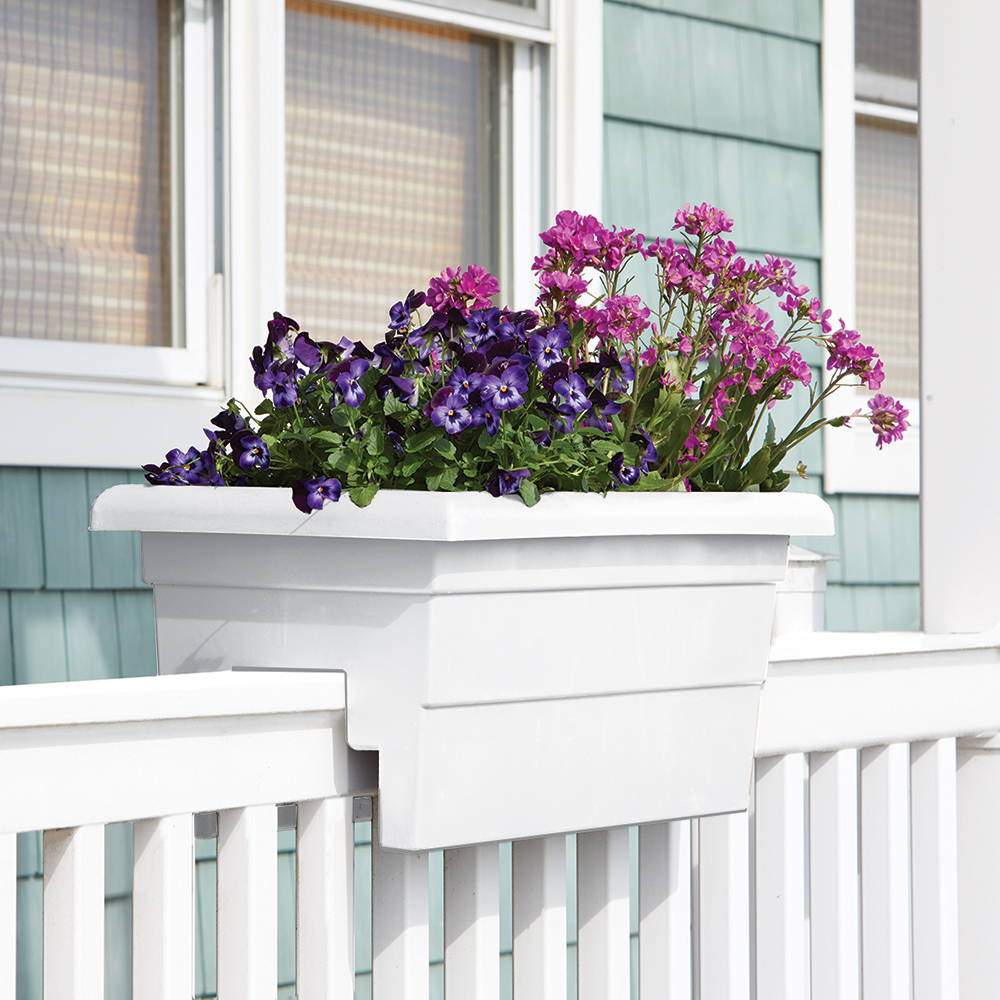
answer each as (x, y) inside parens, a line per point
(255, 177)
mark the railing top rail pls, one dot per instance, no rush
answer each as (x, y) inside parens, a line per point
(826, 691)
(186, 696)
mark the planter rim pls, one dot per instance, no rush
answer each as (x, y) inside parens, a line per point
(412, 515)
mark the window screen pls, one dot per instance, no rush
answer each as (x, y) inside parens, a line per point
(886, 53)
(392, 162)
(887, 254)
(85, 170)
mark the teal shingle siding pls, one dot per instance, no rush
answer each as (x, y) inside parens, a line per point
(719, 101)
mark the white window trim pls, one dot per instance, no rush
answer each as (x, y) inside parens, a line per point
(852, 464)
(120, 401)
(558, 68)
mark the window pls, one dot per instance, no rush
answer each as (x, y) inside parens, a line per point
(173, 170)
(105, 167)
(392, 161)
(85, 177)
(870, 161)
(886, 186)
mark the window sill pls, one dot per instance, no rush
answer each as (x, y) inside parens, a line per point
(111, 425)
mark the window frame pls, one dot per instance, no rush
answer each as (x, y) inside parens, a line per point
(851, 463)
(81, 384)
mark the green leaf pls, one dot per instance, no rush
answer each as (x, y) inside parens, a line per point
(329, 437)
(422, 439)
(362, 496)
(375, 440)
(266, 406)
(759, 465)
(445, 447)
(529, 492)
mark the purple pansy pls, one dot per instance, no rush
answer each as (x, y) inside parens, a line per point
(546, 348)
(251, 453)
(311, 494)
(572, 390)
(506, 481)
(450, 410)
(506, 390)
(347, 375)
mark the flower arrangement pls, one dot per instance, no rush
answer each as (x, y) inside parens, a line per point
(592, 390)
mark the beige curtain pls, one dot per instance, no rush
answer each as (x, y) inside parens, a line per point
(84, 170)
(391, 155)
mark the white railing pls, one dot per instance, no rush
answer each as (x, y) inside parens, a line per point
(867, 865)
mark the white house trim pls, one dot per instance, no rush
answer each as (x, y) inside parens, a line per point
(959, 333)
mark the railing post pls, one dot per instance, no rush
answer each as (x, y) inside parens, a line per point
(163, 908)
(8, 913)
(539, 918)
(73, 913)
(602, 863)
(400, 922)
(325, 968)
(978, 796)
(248, 903)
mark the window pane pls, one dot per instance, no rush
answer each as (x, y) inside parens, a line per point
(84, 171)
(887, 261)
(886, 50)
(391, 151)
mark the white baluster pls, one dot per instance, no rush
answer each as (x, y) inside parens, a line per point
(400, 924)
(73, 913)
(780, 878)
(934, 836)
(472, 922)
(163, 909)
(248, 903)
(602, 908)
(979, 866)
(724, 907)
(325, 924)
(834, 899)
(539, 918)
(8, 912)
(885, 872)
(665, 957)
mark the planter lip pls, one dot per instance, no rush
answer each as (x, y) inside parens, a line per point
(411, 515)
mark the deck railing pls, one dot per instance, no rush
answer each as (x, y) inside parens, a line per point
(868, 863)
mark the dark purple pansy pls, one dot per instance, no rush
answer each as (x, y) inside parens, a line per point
(311, 494)
(572, 391)
(347, 375)
(464, 381)
(627, 475)
(251, 453)
(649, 454)
(285, 391)
(389, 360)
(506, 481)
(307, 352)
(404, 389)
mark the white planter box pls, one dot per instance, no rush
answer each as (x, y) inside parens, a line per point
(590, 662)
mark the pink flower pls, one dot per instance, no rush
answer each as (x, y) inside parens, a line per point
(847, 353)
(888, 419)
(465, 290)
(623, 318)
(703, 220)
(649, 356)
